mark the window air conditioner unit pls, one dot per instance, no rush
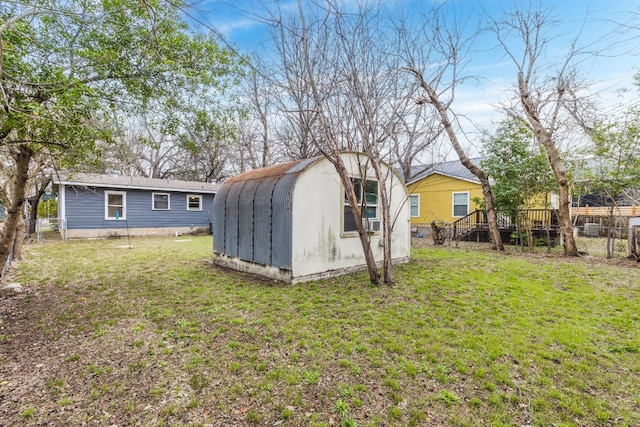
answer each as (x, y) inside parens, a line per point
(371, 225)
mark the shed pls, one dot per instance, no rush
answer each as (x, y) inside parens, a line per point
(290, 222)
(106, 205)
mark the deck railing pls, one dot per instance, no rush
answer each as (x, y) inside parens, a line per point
(477, 220)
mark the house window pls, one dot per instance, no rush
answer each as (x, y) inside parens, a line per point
(160, 202)
(194, 203)
(114, 205)
(367, 195)
(414, 204)
(460, 204)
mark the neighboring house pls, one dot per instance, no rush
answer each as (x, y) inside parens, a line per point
(291, 222)
(92, 205)
(442, 192)
(587, 202)
(599, 204)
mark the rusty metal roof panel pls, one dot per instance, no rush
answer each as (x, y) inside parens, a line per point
(275, 171)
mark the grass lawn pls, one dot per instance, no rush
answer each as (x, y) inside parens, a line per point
(155, 335)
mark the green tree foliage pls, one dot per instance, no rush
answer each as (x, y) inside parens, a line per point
(615, 152)
(613, 171)
(67, 66)
(519, 170)
(48, 209)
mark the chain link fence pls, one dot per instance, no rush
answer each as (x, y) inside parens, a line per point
(599, 237)
(51, 229)
(604, 238)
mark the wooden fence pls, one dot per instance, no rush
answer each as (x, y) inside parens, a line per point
(625, 211)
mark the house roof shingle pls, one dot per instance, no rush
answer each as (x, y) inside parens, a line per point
(133, 182)
(453, 169)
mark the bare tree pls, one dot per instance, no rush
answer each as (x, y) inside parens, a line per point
(260, 147)
(434, 54)
(297, 124)
(541, 91)
(343, 93)
(416, 132)
(247, 153)
(136, 149)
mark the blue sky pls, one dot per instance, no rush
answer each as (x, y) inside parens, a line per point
(596, 23)
(240, 20)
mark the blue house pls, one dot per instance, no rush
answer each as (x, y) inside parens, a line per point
(98, 206)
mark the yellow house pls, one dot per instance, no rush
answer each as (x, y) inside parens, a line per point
(443, 192)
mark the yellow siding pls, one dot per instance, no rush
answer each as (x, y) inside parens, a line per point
(540, 201)
(436, 198)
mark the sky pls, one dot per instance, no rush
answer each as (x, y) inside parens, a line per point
(610, 27)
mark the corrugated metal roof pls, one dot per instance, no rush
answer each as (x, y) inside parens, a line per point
(276, 170)
(453, 169)
(256, 208)
(133, 182)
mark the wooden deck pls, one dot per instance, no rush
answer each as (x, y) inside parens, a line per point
(475, 227)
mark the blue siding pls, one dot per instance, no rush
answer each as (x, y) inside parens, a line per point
(85, 209)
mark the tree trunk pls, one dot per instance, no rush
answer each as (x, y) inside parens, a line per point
(372, 268)
(442, 109)
(18, 245)
(492, 218)
(387, 265)
(545, 137)
(33, 215)
(530, 240)
(519, 229)
(635, 243)
(564, 214)
(333, 152)
(22, 157)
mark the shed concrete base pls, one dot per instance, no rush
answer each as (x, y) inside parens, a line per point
(103, 233)
(284, 275)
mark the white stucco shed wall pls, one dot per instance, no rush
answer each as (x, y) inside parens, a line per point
(319, 246)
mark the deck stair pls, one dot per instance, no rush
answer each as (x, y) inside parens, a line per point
(476, 224)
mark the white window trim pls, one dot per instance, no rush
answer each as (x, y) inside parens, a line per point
(199, 208)
(345, 203)
(410, 214)
(153, 201)
(453, 198)
(107, 193)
